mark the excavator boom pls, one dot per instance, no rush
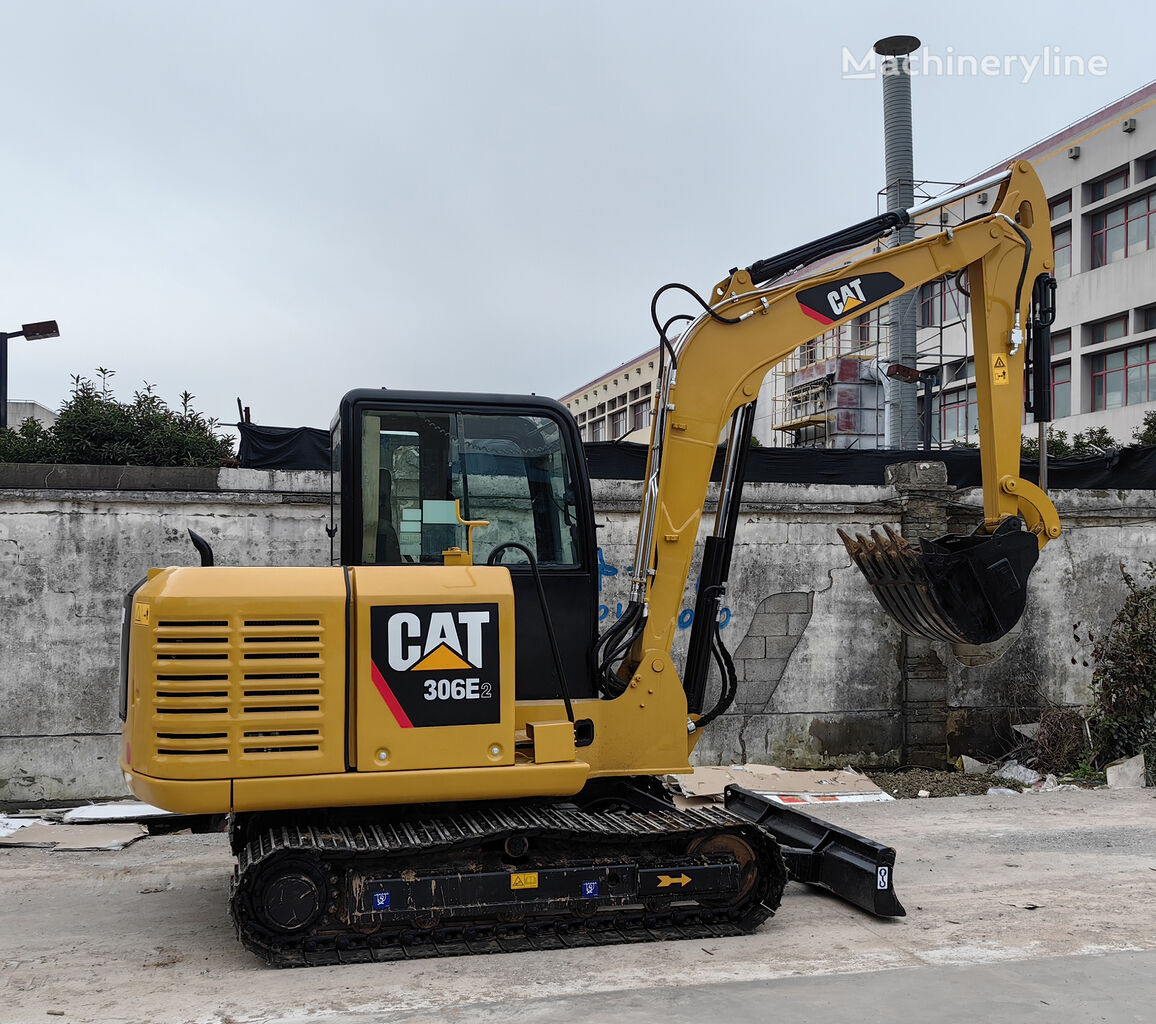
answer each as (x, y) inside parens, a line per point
(957, 589)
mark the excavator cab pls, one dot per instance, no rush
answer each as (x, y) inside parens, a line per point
(412, 470)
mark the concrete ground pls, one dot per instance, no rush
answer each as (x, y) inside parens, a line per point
(1027, 908)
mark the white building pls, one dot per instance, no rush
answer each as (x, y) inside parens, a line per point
(617, 405)
(1100, 177)
(18, 412)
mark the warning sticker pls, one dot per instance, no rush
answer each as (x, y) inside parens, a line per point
(524, 880)
(999, 369)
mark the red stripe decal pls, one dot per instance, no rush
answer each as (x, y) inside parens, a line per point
(815, 315)
(390, 699)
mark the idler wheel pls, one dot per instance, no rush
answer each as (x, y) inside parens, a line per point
(290, 896)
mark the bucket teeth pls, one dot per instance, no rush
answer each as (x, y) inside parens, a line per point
(895, 570)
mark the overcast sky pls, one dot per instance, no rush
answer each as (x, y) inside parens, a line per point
(281, 201)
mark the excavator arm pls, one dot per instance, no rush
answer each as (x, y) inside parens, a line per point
(946, 589)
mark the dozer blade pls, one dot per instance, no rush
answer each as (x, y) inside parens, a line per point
(958, 588)
(852, 867)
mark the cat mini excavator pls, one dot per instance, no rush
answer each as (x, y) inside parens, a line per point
(427, 748)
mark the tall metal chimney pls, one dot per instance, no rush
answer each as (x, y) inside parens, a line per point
(902, 408)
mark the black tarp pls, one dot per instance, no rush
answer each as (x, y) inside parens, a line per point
(1123, 469)
(283, 447)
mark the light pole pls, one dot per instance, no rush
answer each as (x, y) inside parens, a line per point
(32, 332)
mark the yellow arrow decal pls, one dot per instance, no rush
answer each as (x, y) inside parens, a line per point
(665, 880)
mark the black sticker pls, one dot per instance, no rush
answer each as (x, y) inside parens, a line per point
(837, 299)
(437, 664)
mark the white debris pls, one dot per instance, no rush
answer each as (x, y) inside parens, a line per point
(1018, 773)
(924, 792)
(973, 767)
(1002, 791)
(1127, 773)
(9, 824)
(124, 810)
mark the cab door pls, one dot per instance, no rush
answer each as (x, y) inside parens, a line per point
(515, 462)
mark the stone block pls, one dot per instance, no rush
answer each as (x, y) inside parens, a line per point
(769, 624)
(793, 602)
(762, 670)
(931, 690)
(917, 474)
(797, 622)
(751, 647)
(781, 646)
(926, 734)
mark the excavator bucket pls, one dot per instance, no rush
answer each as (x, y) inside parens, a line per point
(958, 588)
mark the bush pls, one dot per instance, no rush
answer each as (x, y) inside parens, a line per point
(1145, 434)
(1123, 717)
(93, 428)
(1092, 441)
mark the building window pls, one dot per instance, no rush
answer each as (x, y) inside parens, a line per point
(1061, 206)
(1148, 319)
(1062, 244)
(941, 302)
(1148, 168)
(618, 424)
(931, 304)
(958, 415)
(640, 416)
(1123, 231)
(1109, 330)
(1108, 185)
(1061, 390)
(1061, 343)
(1124, 377)
(598, 430)
(601, 410)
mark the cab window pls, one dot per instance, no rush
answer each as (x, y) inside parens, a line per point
(508, 469)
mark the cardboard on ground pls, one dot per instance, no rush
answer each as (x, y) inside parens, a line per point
(75, 837)
(706, 785)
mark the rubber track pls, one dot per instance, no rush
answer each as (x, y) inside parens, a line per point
(590, 832)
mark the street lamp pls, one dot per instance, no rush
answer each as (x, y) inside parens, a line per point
(31, 332)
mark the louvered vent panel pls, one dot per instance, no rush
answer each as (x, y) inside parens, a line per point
(281, 691)
(192, 693)
(253, 693)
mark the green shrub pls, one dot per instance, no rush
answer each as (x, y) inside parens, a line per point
(1123, 717)
(93, 428)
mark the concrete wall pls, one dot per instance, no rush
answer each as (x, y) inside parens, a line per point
(825, 677)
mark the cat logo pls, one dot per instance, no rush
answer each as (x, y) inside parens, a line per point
(846, 297)
(451, 640)
(437, 665)
(829, 302)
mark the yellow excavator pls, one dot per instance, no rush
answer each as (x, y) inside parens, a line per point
(427, 749)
